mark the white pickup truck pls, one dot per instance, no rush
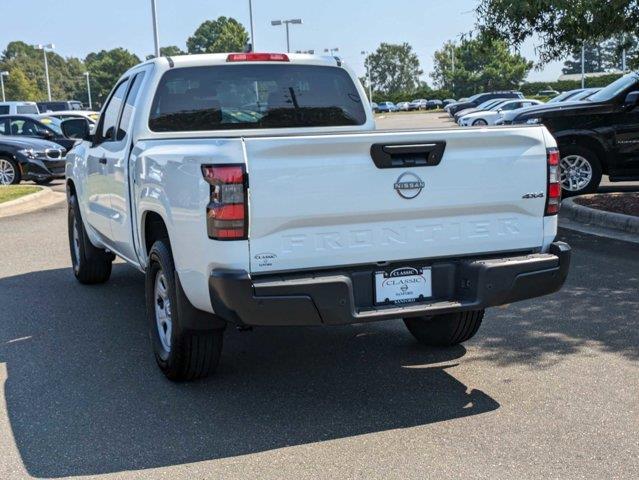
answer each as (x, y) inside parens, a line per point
(253, 189)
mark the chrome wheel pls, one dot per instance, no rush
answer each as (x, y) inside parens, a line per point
(7, 172)
(163, 310)
(575, 173)
(76, 245)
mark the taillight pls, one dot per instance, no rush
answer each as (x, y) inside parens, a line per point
(227, 211)
(257, 57)
(553, 194)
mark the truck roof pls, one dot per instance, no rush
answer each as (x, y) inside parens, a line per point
(205, 59)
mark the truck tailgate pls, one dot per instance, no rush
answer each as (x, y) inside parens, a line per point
(321, 201)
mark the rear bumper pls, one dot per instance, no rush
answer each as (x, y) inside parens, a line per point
(337, 298)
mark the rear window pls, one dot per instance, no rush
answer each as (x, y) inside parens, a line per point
(251, 96)
(27, 109)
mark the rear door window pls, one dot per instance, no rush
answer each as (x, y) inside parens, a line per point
(27, 110)
(228, 97)
(4, 110)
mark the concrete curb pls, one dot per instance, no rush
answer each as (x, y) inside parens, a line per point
(32, 202)
(600, 218)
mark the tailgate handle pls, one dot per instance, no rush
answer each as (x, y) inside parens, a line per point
(401, 155)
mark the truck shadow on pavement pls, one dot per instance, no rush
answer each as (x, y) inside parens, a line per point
(84, 396)
(597, 309)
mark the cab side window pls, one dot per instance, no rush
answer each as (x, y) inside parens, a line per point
(111, 113)
(129, 106)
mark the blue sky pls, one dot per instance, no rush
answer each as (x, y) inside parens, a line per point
(77, 27)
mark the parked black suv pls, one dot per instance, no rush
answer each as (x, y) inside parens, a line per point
(475, 100)
(599, 135)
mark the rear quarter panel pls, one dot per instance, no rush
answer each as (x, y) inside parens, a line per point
(168, 181)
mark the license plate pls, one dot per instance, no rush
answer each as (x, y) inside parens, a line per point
(403, 285)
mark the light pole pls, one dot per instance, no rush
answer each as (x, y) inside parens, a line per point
(44, 49)
(294, 21)
(583, 65)
(156, 35)
(2, 75)
(86, 74)
(251, 20)
(331, 51)
(368, 78)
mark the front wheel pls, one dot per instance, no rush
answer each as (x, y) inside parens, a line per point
(181, 354)
(579, 170)
(9, 172)
(445, 330)
(90, 264)
(480, 122)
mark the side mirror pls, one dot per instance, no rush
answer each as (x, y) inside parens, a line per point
(77, 128)
(499, 110)
(632, 99)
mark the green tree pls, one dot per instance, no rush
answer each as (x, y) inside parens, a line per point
(561, 25)
(18, 87)
(597, 58)
(105, 67)
(394, 68)
(480, 64)
(65, 74)
(218, 36)
(170, 51)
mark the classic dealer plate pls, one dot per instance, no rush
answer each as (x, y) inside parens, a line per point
(403, 285)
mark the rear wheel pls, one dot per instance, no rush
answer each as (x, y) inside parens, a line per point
(181, 354)
(579, 169)
(90, 264)
(445, 330)
(9, 172)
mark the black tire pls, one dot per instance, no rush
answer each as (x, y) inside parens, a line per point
(91, 265)
(445, 330)
(190, 354)
(480, 122)
(17, 174)
(594, 162)
(44, 181)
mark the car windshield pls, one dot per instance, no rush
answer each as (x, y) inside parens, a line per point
(563, 96)
(488, 103)
(250, 96)
(53, 124)
(615, 88)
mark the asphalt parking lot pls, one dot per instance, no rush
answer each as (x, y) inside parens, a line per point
(547, 389)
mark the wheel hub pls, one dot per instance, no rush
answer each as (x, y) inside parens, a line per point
(163, 320)
(575, 172)
(7, 172)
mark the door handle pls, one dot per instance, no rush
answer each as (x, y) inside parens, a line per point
(103, 160)
(403, 155)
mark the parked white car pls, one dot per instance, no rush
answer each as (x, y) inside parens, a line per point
(253, 189)
(19, 108)
(403, 106)
(492, 115)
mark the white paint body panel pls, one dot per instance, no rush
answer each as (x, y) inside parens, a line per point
(316, 199)
(320, 201)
